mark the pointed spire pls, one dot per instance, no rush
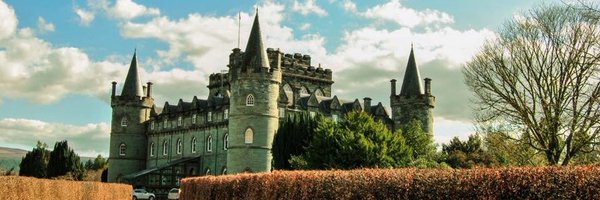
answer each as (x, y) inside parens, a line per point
(411, 85)
(255, 55)
(133, 84)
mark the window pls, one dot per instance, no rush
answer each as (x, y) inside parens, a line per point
(312, 114)
(179, 146)
(152, 125)
(179, 121)
(209, 143)
(152, 149)
(209, 117)
(225, 141)
(226, 114)
(122, 148)
(224, 171)
(194, 145)
(250, 100)
(281, 112)
(124, 121)
(194, 116)
(165, 146)
(165, 123)
(207, 171)
(335, 118)
(248, 136)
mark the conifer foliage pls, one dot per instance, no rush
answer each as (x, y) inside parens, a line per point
(63, 160)
(292, 138)
(356, 142)
(35, 162)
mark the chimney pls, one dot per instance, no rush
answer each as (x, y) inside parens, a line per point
(427, 86)
(296, 98)
(393, 81)
(114, 88)
(149, 89)
(367, 104)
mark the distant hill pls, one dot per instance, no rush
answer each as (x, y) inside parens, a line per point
(10, 157)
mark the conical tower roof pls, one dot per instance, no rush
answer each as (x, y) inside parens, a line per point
(255, 55)
(411, 85)
(133, 83)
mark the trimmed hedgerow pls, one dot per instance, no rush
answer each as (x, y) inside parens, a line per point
(578, 182)
(15, 187)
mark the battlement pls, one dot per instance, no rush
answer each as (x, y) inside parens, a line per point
(218, 80)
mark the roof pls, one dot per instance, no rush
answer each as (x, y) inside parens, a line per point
(133, 83)
(255, 55)
(411, 85)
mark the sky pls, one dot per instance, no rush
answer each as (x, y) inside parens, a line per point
(58, 58)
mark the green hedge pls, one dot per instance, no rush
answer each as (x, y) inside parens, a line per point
(579, 182)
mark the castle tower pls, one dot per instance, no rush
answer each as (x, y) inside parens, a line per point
(254, 114)
(412, 102)
(128, 139)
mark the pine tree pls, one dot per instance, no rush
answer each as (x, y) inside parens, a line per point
(291, 139)
(357, 142)
(34, 163)
(63, 160)
(420, 141)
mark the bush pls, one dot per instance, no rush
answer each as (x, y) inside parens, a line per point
(14, 187)
(579, 182)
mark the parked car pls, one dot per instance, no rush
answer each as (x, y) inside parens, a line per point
(174, 193)
(143, 194)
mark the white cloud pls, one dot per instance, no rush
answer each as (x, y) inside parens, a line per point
(127, 9)
(44, 26)
(395, 12)
(446, 129)
(304, 26)
(86, 140)
(349, 6)
(307, 7)
(85, 17)
(8, 24)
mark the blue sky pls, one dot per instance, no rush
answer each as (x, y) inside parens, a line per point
(57, 58)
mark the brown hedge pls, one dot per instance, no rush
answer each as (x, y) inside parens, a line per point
(15, 187)
(579, 182)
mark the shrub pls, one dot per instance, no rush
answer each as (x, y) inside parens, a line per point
(14, 187)
(579, 182)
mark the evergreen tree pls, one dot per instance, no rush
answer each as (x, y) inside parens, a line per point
(291, 139)
(34, 163)
(63, 160)
(420, 141)
(467, 154)
(358, 141)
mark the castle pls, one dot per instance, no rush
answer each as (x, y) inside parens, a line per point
(232, 130)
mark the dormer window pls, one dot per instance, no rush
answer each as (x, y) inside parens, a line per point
(124, 121)
(335, 118)
(226, 114)
(209, 117)
(194, 116)
(165, 123)
(179, 121)
(250, 100)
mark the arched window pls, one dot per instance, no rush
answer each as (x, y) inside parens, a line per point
(225, 141)
(165, 146)
(122, 148)
(124, 121)
(207, 171)
(224, 171)
(248, 136)
(179, 146)
(250, 100)
(152, 149)
(209, 143)
(194, 145)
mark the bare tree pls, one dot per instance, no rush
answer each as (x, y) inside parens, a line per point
(541, 77)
